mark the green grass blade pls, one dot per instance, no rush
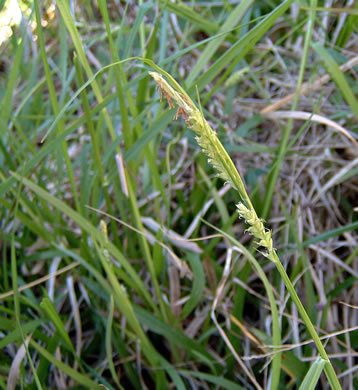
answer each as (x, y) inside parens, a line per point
(49, 309)
(313, 375)
(109, 325)
(338, 76)
(216, 380)
(172, 334)
(6, 104)
(198, 284)
(17, 307)
(243, 46)
(331, 233)
(234, 17)
(282, 150)
(54, 103)
(75, 375)
(72, 29)
(124, 305)
(143, 9)
(16, 336)
(189, 14)
(90, 229)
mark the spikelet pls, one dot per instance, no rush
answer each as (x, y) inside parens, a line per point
(257, 228)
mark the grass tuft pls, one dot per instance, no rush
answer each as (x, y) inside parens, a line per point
(126, 260)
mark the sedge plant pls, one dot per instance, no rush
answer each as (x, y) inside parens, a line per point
(221, 161)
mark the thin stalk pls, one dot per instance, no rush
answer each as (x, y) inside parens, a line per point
(55, 105)
(329, 370)
(14, 274)
(221, 161)
(96, 151)
(272, 179)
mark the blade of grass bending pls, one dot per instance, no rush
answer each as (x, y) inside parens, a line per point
(92, 79)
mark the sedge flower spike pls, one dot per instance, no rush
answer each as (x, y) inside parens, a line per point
(217, 156)
(256, 228)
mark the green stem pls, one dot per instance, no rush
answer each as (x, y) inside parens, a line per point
(221, 161)
(329, 370)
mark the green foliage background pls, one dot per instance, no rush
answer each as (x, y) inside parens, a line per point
(119, 265)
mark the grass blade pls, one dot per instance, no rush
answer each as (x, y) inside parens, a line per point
(313, 375)
(338, 76)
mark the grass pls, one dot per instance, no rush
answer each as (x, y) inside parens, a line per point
(125, 262)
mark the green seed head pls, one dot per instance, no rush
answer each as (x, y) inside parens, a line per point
(256, 228)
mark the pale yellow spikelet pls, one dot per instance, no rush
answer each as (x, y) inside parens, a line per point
(257, 228)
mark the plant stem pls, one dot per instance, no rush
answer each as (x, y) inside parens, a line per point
(329, 370)
(221, 161)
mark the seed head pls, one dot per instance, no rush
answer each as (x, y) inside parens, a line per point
(256, 228)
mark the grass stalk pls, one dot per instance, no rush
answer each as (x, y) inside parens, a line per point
(96, 151)
(55, 105)
(221, 161)
(17, 307)
(283, 147)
